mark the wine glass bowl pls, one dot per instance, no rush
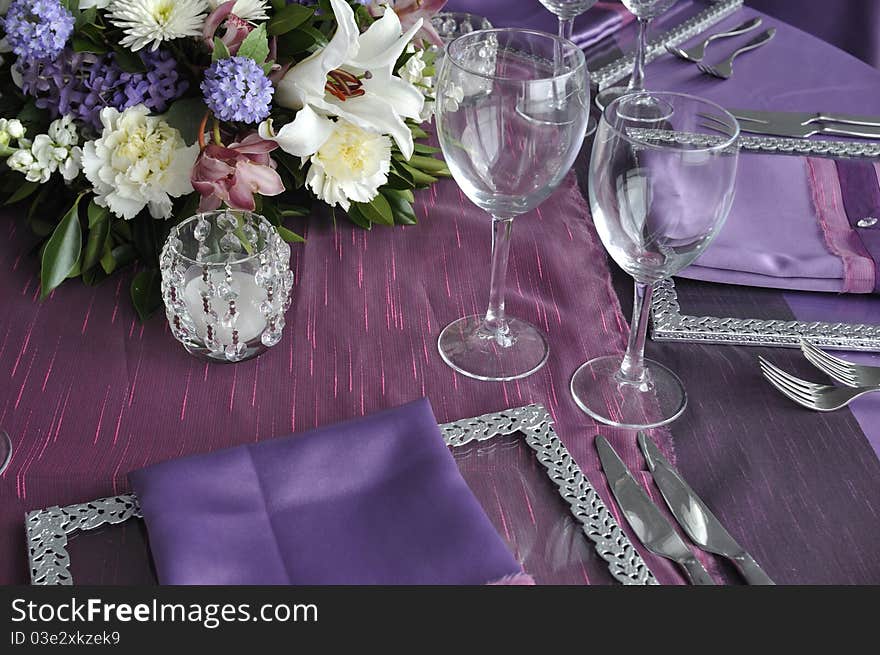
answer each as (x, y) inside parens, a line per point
(659, 193)
(512, 109)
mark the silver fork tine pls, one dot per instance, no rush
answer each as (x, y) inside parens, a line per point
(782, 382)
(804, 402)
(798, 383)
(835, 367)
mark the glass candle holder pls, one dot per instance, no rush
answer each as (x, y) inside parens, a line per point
(226, 283)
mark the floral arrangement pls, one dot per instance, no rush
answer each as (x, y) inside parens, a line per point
(122, 117)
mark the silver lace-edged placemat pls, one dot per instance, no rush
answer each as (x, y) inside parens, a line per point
(48, 529)
(669, 324)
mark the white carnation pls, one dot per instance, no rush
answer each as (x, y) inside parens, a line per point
(139, 161)
(98, 4)
(351, 165)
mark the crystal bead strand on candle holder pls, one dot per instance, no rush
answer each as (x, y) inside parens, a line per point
(226, 283)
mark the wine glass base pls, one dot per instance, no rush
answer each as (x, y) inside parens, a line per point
(642, 107)
(599, 390)
(470, 348)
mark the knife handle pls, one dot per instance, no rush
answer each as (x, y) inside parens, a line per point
(750, 570)
(696, 572)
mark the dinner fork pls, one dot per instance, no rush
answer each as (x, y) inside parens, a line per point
(820, 397)
(852, 375)
(696, 53)
(724, 69)
(5, 450)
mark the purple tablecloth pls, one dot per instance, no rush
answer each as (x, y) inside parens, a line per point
(88, 393)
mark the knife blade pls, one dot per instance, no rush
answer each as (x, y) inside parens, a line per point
(798, 131)
(804, 118)
(644, 517)
(700, 524)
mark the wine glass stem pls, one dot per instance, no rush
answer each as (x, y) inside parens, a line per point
(566, 28)
(637, 81)
(501, 231)
(632, 369)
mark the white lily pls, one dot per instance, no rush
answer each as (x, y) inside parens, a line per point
(372, 97)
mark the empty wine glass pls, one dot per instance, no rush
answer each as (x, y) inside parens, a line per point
(510, 120)
(659, 193)
(5, 451)
(646, 107)
(567, 11)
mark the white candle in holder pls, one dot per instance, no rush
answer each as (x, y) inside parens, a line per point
(250, 322)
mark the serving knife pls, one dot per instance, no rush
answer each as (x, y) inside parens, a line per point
(695, 518)
(645, 518)
(804, 117)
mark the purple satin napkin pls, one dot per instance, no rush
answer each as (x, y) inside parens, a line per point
(375, 500)
(591, 26)
(799, 223)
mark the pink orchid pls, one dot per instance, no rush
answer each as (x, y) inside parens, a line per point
(236, 29)
(233, 174)
(409, 11)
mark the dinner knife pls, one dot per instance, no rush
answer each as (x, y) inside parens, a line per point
(644, 517)
(695, 518)
(795, 130)
(804, 117)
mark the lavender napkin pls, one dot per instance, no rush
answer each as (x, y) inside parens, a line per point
(799, 223)
(376, 500)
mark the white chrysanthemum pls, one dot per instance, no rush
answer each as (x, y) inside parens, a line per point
(139, 161)
(252, 10)
(154, 21)
(47, 153)
(351, 165)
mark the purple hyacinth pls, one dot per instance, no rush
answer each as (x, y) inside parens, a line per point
(81, 84)
(237, 89)
(37, 29)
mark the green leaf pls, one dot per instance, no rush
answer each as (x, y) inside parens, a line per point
(129, 61)
(355, 216)
(289, 235)
(255, 45)
(99, 233)
(146, 293)
(423, 149)
(118, 257)
(429, 164)
(86, 17)
(62, 251)
(23, 191)
(288, 18)
(401, 206)
(83, 44)
(220, 50)
(376, 211)
(418, 177)
(96, 213)
(186, 116)
(300, 40)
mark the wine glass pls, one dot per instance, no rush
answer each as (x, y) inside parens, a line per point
(566, 11)
(511, 117)
(646, 107)
(659, 193)
(5, 451)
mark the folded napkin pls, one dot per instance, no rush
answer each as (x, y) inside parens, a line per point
(801, 223)
(592, 26)
(376, 500)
